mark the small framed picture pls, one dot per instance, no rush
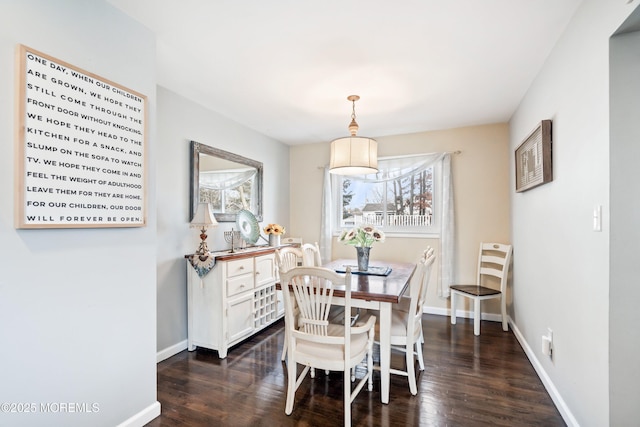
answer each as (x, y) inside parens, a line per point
(533, 158)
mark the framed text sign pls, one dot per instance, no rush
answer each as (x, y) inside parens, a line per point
(81, 144)
(533, 158)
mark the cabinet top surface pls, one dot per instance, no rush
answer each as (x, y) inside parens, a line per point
(241, 253)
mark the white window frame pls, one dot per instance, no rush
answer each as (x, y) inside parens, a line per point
(431, 231)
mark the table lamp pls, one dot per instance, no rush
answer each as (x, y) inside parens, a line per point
(203, 219)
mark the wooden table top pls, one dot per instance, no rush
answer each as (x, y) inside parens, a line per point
(376, 288)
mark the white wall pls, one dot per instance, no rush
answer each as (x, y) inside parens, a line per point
(624, 292)
(179, 122)
(561, 276)
(77, 306)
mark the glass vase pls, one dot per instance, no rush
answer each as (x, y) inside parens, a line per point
(363, 258)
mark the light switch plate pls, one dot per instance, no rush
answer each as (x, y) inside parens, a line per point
(597, 218)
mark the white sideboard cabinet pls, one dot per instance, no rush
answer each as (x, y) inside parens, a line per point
(236, 299)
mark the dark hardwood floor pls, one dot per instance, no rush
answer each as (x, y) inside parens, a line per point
(468, 381)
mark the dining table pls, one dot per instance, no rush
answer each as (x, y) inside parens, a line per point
(379, 288)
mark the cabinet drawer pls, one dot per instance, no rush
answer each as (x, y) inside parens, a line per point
(238, 284)
(265, 269)
(239, 267)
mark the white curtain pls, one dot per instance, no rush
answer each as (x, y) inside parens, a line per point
(225, 179)
(393, 168)
(327, 217)
(447, 234)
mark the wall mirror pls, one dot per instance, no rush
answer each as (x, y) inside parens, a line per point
(228, 181)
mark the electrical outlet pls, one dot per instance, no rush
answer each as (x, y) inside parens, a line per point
(547, 343)
(546, 346)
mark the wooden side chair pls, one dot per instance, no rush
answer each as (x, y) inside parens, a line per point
(493, 261)
(318, 343)
(406, 321)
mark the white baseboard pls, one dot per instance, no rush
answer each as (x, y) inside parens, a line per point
(566, 413)
(171, 351)
(143, 417)
(436, 310)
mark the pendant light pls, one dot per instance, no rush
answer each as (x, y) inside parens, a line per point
(353, 155)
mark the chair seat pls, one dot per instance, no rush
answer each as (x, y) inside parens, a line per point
(478, 291)
(399, 319)
(332, 351)
(403, 305)
(493, 264)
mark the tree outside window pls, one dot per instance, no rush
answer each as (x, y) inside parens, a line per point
(397, 199)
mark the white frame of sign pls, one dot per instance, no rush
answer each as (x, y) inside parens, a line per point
(81, 144)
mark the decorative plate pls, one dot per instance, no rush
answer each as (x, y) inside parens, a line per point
(248, 226)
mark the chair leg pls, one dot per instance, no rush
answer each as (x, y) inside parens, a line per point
(503, 307)
(291, 386)
(347, 398)
(476, 316)
(284, 348)
(411, 371)
(419, 353)
(370, 360)
(453, 308)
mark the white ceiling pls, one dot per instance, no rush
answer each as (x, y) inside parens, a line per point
(286, 67)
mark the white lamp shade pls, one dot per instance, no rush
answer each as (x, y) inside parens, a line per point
(354, 155)
(204, 216)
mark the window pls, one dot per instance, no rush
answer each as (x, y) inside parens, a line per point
(403, 197)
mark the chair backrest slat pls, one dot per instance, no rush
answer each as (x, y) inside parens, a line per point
(492, 259)
(490, 271)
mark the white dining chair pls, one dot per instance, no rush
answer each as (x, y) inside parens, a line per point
(493, 262)
(287, 257)
(406, 321)
(318, 343)
(311, 255)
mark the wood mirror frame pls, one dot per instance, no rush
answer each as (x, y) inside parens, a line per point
(197, 150)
